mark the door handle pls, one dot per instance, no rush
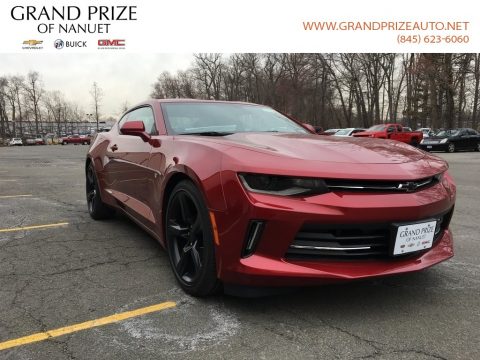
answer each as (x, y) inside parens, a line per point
(114, 147)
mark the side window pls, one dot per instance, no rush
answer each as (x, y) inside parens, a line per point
(399, 128)
(471, 132)
(144, 114)
(390, 129)
(122, 121)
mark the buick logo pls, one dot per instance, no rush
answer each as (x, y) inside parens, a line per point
(58, 44)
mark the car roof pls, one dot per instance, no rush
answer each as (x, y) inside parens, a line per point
(201, 101)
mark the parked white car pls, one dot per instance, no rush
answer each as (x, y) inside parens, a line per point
(427, 132)
(15, 142)
(348, 131)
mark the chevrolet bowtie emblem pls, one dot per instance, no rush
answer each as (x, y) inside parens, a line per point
(408, 186)
(32, 42)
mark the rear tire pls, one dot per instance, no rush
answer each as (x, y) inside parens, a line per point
(97, 209)
(189, 238)
(478, 147)
(451, 148)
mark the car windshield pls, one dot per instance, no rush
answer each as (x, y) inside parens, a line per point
(343, 132)
(447, 133)
(224, 118)
(377, 128)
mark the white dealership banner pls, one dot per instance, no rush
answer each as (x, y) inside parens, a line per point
(142, 26)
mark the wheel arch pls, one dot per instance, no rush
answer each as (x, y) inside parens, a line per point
(212, 196)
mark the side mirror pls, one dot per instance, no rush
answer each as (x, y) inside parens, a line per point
(309, 127)
(135, 128)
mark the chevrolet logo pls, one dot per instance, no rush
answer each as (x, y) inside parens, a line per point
(408, 186)
(32, 42)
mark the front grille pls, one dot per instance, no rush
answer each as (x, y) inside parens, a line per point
(350, 241)
(374, 185)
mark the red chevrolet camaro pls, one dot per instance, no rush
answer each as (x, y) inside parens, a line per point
(241, 195)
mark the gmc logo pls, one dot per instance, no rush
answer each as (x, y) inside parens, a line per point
(106, 42)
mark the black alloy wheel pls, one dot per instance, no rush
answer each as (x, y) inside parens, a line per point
(451, 148)
(96, 208)
(478, 147)
(189, 239)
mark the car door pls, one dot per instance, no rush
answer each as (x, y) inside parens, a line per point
(463, 141)
(473, 139)
(392, 133)
(128, 173)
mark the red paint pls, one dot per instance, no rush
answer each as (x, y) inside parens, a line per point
(393, 132)
(135, 176)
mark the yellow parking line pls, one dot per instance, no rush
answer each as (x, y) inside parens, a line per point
(33, 227)
(85, 325)
(14, 196)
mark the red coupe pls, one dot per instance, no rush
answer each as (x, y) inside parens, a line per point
(243, 196)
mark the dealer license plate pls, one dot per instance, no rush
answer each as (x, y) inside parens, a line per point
(429, 146)
(414, 237)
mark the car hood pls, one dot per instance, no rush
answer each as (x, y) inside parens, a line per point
(326, 148)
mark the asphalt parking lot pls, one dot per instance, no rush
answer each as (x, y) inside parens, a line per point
(72, 270)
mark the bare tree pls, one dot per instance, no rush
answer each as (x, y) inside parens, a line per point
(209, 70)
(476, 89)
(97, 94)
(34, 91)
(339, 90)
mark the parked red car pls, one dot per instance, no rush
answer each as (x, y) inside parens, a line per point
(393, 132)
(75, 139)
(243, 196)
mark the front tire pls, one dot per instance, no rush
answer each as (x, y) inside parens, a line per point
(451, 148)
(97, 209)
(189, 238)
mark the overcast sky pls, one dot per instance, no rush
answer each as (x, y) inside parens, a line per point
(122, 77)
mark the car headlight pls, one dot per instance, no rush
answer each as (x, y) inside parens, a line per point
(421, 142)
(443, 141)
(282, 185)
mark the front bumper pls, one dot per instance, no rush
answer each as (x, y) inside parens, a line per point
(284, 217)
(434, 147)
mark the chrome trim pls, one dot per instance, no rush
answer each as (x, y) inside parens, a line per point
(253, 238)
(363, 187)
(309, 247)
(407, 186)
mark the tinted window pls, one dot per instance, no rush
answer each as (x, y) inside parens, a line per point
(447, 133)
(186, 118)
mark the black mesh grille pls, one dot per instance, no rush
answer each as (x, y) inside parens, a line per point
(350, 241)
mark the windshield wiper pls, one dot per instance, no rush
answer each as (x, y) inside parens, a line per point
(208, 133)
